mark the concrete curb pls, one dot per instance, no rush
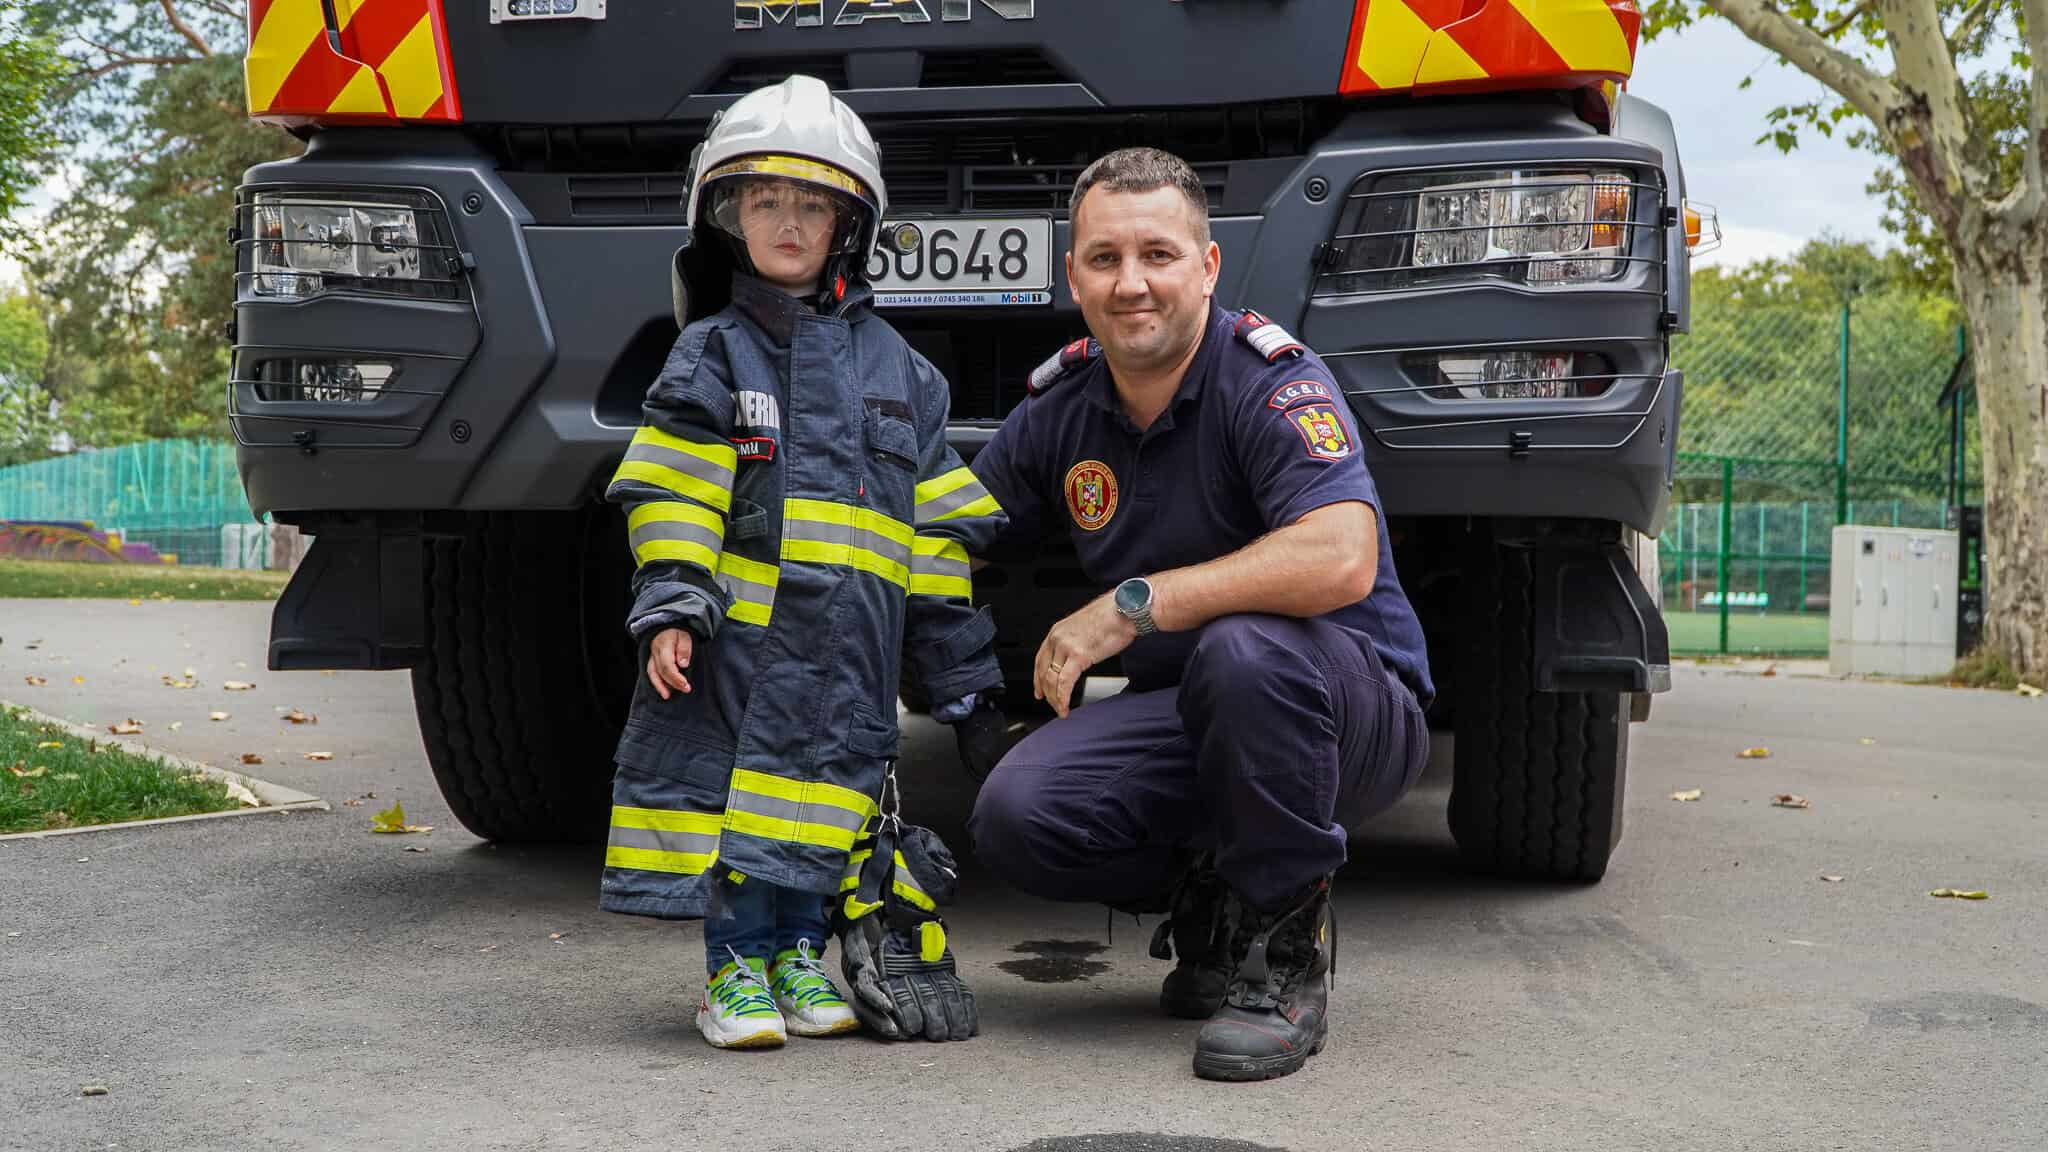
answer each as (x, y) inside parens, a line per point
(275, 797)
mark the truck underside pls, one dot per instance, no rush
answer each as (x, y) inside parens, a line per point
(446, 438)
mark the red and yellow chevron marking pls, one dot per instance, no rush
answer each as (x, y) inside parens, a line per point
(393, 63)
(1480, 44)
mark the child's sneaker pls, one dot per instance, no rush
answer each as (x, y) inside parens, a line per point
(737, 1010)
(808, 998)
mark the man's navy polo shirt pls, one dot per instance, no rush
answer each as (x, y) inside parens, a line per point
(1245, 447)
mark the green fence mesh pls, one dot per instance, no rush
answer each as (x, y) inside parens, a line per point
(170, 495)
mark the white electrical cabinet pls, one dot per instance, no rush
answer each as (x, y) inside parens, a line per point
(1892, 601)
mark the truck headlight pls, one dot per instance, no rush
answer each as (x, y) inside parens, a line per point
(1512, 374)
(304, 243)
(1540, 226)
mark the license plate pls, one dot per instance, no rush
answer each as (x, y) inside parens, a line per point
(963, 262)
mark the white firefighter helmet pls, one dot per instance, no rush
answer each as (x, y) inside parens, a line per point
(798, 132)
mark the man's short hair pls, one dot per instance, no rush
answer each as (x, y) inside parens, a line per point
(1144, 170)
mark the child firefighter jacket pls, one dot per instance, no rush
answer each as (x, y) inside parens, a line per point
(792, 501)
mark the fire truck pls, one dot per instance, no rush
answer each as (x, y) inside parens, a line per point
(450, 306)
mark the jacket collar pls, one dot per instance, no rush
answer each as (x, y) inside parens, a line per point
(776, 311)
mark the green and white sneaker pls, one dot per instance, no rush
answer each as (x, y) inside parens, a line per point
(737, 1010)
(807, 997)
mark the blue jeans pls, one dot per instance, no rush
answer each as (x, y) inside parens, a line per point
(758, 920)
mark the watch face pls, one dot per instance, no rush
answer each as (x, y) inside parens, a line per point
(1132, 594)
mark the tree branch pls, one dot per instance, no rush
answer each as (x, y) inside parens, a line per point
(1808, 51)
(1931, 132)
(1850, 17)
(119, 60)
(1971, 21)
(226, 10)
(184, 29)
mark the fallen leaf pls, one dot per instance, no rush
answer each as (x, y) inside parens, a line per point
(128, 727)
(63, 775)
(1866, 741)
(1754, 754)
(392, 819)
(1770, 671)
(177, 724)
(237, 685)
(239, 791)
(319, 755)
(216, 715)
(78, 679)
(298, 717)
(134, 603)
(173, 682)
(92, 1089)
(28, 773)
(251, 758)
(34, 644)
(50, 744)
(419, 848)
(488, 948)
(1687, 794)
(2027, 690)
(35, 681)
(1827, 879)
(1961, 894)
(1788, 800)
(557, 936)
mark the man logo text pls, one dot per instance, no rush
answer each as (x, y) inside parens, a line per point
(811, 13)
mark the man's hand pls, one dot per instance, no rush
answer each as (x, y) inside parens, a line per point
(669, 656)
(1076, 644)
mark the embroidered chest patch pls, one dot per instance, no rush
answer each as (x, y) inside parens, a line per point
(1322, 430)
(1091, 494)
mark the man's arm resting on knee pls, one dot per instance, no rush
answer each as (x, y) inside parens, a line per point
(1321, 562)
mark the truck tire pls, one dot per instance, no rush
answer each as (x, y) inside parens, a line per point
(522, 693)
(1537, 777)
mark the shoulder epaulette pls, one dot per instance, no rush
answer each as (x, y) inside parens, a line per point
(1062, 364)
(1268, 339)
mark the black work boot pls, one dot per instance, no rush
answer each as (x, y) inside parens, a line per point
(1194, 934)
(1274, 1014)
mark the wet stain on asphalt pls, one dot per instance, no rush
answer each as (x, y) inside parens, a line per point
(1056, 961)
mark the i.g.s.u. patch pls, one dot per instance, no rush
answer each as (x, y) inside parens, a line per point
(1322, 430)
(1300, 392)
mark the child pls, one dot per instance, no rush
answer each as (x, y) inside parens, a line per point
(800, 529)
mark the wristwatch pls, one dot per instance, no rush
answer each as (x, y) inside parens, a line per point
(1134, 603)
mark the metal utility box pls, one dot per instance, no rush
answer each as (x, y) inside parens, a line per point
(1892, 610)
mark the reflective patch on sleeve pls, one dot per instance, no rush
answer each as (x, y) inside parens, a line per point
(1268, 339)
(1062, 364)
(1300, 392)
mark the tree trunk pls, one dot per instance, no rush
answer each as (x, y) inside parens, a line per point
(1999, 278)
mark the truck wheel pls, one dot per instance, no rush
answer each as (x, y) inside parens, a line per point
(1537, 777)
(528, 672)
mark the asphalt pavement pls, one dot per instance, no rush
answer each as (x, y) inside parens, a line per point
(292, 981)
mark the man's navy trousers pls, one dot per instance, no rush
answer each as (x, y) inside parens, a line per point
(1282, 734)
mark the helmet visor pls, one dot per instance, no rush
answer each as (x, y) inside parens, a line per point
(774, 199)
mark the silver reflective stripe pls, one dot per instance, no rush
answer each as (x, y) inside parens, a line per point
(936, 508)
(707, 470)
(741, 800)
(652, 530)
(922, 565)
(846, 535)
(748, 592)
(652, 840)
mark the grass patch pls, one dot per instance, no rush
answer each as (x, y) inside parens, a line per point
(1982, 668)
(50, 778)
(46, 579)
(1749, 633)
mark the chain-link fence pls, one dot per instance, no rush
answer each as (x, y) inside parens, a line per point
(175, 501)
(1797, 419)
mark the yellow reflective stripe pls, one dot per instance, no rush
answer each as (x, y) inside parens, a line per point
(751, 584)
(719, 453)
(931, 941)
(654, 860)
(666, 820)
(676, 530)
(847, 556)
(944, 483)
(752, 571)
(939, 567)
(899, 880)
(680, 483)
(846, 515)
(791, 831)
(805, 792)
(986, 506)
(749, 612)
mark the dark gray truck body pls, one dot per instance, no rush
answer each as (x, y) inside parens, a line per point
(562, 208)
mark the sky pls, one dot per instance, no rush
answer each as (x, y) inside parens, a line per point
(1769, 203)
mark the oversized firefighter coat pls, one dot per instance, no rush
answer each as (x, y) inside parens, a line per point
(791, 500)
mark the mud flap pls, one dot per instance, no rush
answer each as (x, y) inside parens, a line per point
(1597, 628)
(358, 599)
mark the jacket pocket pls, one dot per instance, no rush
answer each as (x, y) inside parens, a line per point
(705, 767)
(746, 520)
(871, 735)
(890, 437)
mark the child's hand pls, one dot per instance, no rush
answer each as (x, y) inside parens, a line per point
(671, 654)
